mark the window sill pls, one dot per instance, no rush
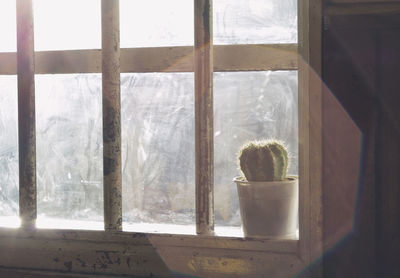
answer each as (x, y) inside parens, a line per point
(142, 254)
(148, 228)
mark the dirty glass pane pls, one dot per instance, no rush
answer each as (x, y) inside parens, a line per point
(8, 26)
(250, 106)
(156, 23)
(170, 23)
(255, 21)
(67, 24)
(69, 147)
(8, 149)
(158, 148)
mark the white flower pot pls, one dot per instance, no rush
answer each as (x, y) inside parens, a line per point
(269, 209)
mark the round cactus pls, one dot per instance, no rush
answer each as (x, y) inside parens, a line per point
(264, 161)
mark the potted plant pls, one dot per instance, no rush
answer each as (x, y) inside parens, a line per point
(268, 199)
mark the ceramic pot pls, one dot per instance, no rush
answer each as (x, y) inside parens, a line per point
(269, 209)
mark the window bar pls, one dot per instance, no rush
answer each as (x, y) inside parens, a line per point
(204, 143)
(26, 115)
(111, 115)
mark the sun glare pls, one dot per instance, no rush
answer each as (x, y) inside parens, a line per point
(76, 24)
(62, 25)
(7, 26)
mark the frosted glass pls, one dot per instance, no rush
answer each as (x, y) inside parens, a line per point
(158, 148)
(157, 142)
(67, 24)
(69, 147)
(8, 147)
(156, 23)
(76, 24)
(158, 139)
(170, 23)
(8, 26)
(255, 21)
(249, 106)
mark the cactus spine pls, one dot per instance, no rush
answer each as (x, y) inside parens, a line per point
(264, 161)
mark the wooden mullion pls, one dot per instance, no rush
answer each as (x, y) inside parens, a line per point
(26, 114)
(257, 57)
(304, 129)
(111, 115)
(204, 143)
(241, 57)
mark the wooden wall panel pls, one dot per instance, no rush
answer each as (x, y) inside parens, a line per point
(388, 149)
(362, 8)
(361, 67)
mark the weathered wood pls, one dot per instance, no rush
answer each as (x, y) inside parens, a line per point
(26, 114)
(25, 273)
(134, 238)
(111, 115)
(8, 63)
(204, 134)
(250, 244)
(162, 240)
(219, 263)
(310, 133)
(316, 92)
(157, 59)
(258, 57)
(304, 158)
(68, 61)
(255, 57)
(101, 253)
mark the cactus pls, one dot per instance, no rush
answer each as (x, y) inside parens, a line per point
(264, 161)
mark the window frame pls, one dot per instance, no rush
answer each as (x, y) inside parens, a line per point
(202, 254)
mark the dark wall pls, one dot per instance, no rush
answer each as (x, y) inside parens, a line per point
(361, 68)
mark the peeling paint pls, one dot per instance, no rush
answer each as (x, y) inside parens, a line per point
(68, 266)
(81, 262)
(204, 144)
(26, 115)
(220, 265)
(111, 116)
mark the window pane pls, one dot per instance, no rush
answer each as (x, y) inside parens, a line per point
(69, 147)
(67, 24)
(8, 26)
(156, 23)
(250, 106)
(8, 150)
(255, 21)
(158, 148)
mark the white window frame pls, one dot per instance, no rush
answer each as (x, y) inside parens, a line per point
(113, 252)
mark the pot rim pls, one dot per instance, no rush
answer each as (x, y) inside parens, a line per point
(242, 181)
